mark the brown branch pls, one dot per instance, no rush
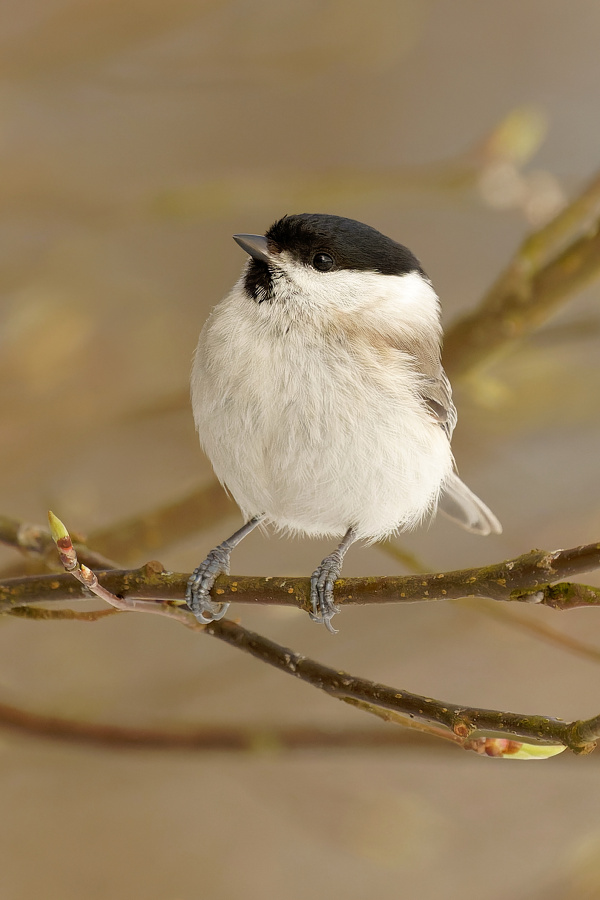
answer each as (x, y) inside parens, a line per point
(531, 287)
(465, 722)
(529, 578)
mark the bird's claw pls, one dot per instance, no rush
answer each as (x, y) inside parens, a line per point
(197, 593)
(321, 591)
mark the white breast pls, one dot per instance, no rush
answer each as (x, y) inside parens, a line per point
(316, 431)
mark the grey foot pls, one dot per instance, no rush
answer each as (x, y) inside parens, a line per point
(197, 593)
(321, 590)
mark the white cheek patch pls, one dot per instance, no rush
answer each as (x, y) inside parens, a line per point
(405, 299)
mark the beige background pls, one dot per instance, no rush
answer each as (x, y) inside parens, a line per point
(135, 138)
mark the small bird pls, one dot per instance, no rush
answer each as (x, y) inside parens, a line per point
(320, 399)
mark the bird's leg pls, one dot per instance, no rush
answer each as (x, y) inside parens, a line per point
(197, 593)
(322, 581)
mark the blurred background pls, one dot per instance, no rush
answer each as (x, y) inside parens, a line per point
(135, 138)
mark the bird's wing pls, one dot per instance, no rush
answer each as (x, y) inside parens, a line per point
(437, 394)
(433, 385)
(457, 501)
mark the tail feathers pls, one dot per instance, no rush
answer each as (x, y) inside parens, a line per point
(462, 506)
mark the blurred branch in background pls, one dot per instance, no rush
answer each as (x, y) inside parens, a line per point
(253, 739)
(132, 538)
(510, 617)
(543, 274)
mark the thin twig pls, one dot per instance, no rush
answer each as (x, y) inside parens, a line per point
(89, 580)
(465, 722)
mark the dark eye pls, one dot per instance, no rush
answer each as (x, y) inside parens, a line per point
(323, 262)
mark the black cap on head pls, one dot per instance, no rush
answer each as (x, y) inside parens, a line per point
(352, 244)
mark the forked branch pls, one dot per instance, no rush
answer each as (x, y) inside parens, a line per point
(492, 732)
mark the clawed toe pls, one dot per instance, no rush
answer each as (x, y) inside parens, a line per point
(321, 591)
(323, 580)
(199, 585)
(206, 611)
(326, 618)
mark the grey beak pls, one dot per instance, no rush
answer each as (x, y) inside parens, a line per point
(255, 245)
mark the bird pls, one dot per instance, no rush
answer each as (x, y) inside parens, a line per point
(319, 397)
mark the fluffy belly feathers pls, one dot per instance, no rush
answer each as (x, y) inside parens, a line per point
(317, 447)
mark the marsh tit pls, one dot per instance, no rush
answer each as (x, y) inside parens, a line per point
(320, 399)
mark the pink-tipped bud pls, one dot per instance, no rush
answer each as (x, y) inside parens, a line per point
(62, 539)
